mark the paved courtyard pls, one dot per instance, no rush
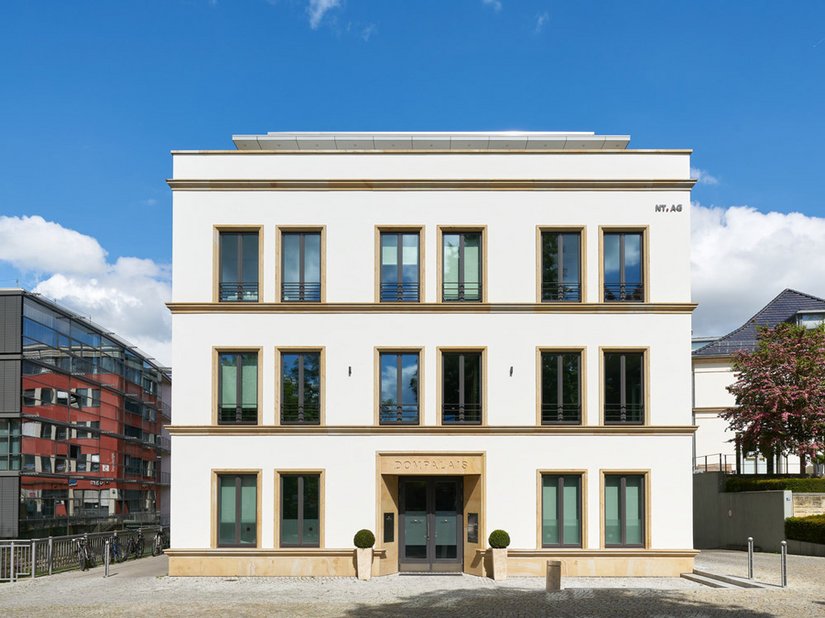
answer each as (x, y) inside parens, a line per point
(142, 588)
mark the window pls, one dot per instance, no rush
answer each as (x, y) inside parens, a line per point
(399, 267)
(624, 507)
(560, 266)
(301, 388)
(399, 388)
(237, 510)
(238, 267)
(623, 276)
(9, 444)
(301, 266)
(624, 387)
(300, 510)
(461, 387)
(462, 266)
(237, 387)
(561, 510)
(560, 387)
(810, 319)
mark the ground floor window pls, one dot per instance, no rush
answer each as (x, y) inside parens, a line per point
(300, 510)
(624, 508)
(237, 510)
(561, 510)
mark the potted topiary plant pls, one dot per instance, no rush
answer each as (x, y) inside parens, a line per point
(364, 541)
(499, 540)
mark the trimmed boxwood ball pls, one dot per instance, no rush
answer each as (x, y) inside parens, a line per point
(499, 539)
(364, 539)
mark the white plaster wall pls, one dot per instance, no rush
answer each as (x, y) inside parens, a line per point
(710, 385)
(712, 438)
(511, 340)
(511, 465)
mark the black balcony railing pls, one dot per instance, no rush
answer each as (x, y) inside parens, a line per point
(461, 413)
(619, 414)
(566, 413)
(624, 292)
(301, 292)
(300, 414)
(461, 292)
(239, 292)
(238, 415)
(406, 291)
(561, 292)
(398, 414)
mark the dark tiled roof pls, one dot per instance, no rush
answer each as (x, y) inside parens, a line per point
(783, 308)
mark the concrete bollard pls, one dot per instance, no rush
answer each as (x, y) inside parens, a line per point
(553, 583)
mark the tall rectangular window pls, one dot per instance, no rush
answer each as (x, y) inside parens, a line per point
(301, 266)
(301, 388)
(560, 387)
(300, 510)
(624, 399)
(623, 270)
(461, 388)
(237, 510)
(237, 387)
(238, 267)
(560, 266)
(624, 507)
(399, 388)
(400, 267)
(561, 510)
(462, 266)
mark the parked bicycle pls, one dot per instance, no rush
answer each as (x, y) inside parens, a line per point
(159, 543)
(135, 545)
(85, 557)
(115, 550)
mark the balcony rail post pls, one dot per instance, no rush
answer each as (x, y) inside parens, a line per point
(106, 558)
(750, 557)
(51, 554)
(34, 557)
(11, 564)
(783, 563)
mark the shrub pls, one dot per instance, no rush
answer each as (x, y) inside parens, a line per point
(811, 529)
(499, 539)
(799, 485)
(364, 539)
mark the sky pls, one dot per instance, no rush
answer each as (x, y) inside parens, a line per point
(94, 95)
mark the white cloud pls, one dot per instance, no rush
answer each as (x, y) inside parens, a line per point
(127, 297)
(494, 4)
(367, 32)
(541, 21)
(703, 177)
(318, 8)
(742, 258)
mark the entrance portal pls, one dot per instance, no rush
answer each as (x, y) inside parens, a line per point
(430, 524)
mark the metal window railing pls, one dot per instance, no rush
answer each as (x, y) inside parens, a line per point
(461, 413)
(624, 292)
(406, 291)
(238, 292)
(300, 414)
(237, 415)
(398, 414)
(461, 292)
(621, 414)
(561, 292)
(567, 413)
(301, 292)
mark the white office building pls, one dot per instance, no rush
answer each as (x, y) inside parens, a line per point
(431, 336)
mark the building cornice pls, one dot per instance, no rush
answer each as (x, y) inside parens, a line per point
(468, 151)
(429, 184)
(366, 430)
(436, 308)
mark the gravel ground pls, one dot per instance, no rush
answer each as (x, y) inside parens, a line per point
(141, 588)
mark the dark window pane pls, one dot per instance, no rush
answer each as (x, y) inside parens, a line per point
(623, 276)
(560, 388)
(311, 527)
(624, 387)
(399, 387)
(289, 510)
(461, 387)
(301, 387)
(301, 266)
(561, 270)
(237, 387)
(238, 266)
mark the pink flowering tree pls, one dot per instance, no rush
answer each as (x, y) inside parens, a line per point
(780, 393)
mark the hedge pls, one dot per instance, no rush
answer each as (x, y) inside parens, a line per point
(811, 529)
(799, 485)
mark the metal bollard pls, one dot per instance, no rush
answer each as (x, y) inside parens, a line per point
(34, 557)
(783, 564)
(750, 557)
(51, 554)
(11, 565)
(106, 558)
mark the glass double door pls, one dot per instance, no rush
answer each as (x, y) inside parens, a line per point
(430, 524)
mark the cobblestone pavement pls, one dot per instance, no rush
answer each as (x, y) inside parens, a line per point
(141, 588)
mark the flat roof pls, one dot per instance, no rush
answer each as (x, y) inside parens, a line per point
(431, 140)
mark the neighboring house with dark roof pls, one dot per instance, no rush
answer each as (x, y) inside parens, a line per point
(712, 374)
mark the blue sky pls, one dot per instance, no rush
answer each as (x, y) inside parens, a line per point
(95, 94)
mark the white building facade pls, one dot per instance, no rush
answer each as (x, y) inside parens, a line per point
(431, 336)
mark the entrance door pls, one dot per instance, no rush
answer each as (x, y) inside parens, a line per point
(430, 524)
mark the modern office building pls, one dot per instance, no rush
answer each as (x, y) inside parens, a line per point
(716, 447)
(81, 412)
(431, 336)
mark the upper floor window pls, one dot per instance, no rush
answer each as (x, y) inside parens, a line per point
(624, 507)
(238, 267)
(399, 388)
(237, 387)
(462, 266)
(560, 266)
(561, 510)
(237, 510)
(560, 387)
(623, 267)
(461, 388)
(301, 388)
(400, 267)
(301, 266)
(624, 395)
